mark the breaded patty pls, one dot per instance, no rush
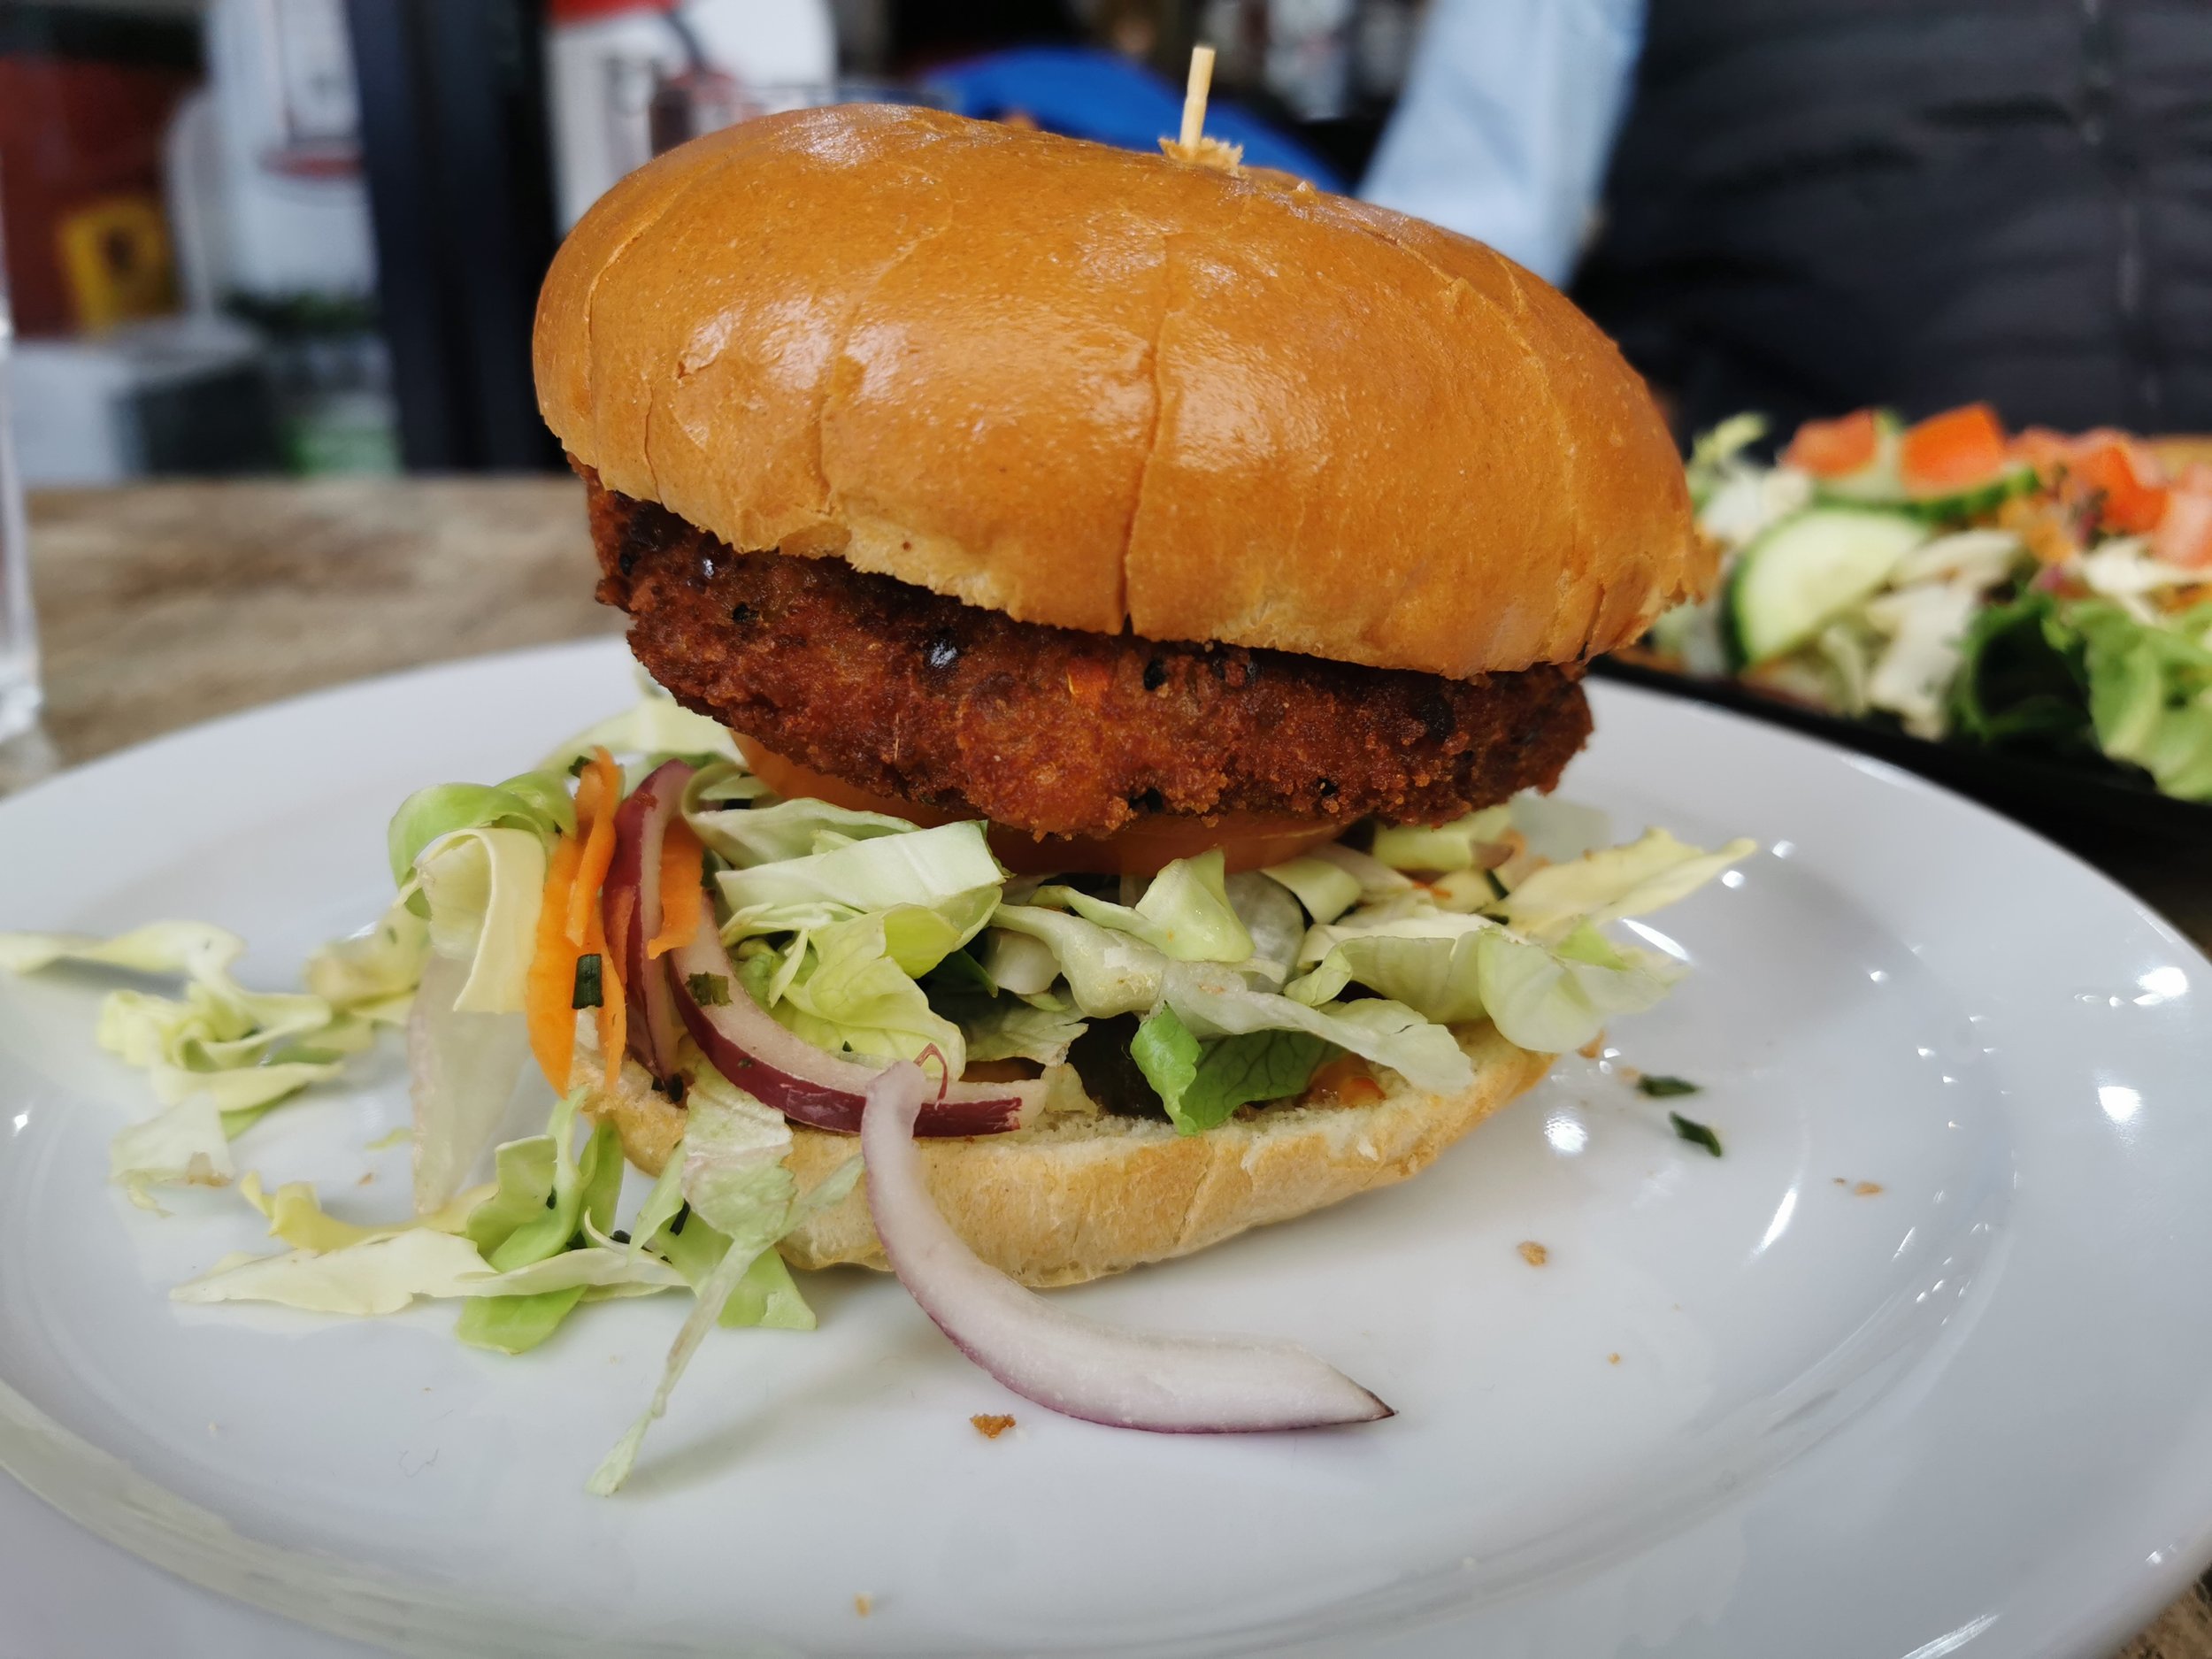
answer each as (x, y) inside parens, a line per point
(905, 693)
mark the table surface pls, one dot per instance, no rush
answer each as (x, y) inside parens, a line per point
(161, 605)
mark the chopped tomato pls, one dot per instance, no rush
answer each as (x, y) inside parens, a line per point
(1831, 449)
(1248, 840)
(2184, 535)
(2050, 453)
(1954, 450)
(2130, 497)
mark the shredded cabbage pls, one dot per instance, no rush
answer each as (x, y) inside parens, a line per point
(787, 830)
(948, 869)
(733, 1177)
(1184, 913)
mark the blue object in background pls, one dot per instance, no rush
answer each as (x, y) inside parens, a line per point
(1108, 99)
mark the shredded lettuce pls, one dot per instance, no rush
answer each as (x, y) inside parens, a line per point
(373, 975)
(656, 728)
(297, 1216)
(1184, 913)
(842, 989)
(1326, 889)
(948, 871)
(376, 1276)
(463, 1068)
(582, 1194)
(218, 1057)
(734, 1179)
(1214, 1001)
(1647, 874)
(1458, 845)
(484, 888)
(1108, 971)
(184, 1146)
(536, 803)
(787, 830)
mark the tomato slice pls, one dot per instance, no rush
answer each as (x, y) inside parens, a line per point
(1953, 450)
(2129, 482)
(1248, 841)
(2184, 535)
(1833, 449)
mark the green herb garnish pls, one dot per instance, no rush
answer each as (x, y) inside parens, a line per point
(1690, 1129)
(589, 994)
(1665, 1087)
(709, 990)
(576, 767)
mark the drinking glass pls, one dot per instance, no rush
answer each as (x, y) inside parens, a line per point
(18, 630)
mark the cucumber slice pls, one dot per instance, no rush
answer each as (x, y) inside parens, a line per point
(1800, 575)
(1976, 500)
(1877, 482)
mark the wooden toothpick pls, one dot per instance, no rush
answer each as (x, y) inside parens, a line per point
(1192, 144)
(1194, 90)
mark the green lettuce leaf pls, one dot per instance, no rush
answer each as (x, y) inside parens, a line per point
(1214, 1001)
(1200, 1084)
(2150, 696)
(462, 1072)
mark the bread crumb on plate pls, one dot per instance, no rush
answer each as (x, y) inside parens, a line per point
(1535, 1254)
(989, 1425)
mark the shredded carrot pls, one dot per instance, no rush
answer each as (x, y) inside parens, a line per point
(551, 985)
(1956, 448)
(611, 1017)
(598, 793)
(1831, 449)
(682, 859)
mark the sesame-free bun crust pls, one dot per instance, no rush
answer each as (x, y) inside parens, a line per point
(1082, 1194)
(1098, 389)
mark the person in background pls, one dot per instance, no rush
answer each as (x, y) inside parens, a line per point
(1809, 206)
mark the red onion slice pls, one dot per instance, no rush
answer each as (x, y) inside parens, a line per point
(631, 903)
(1131, 1380)
(783, 1069)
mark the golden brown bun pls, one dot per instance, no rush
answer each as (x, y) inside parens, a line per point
(1080, 1194)
(1094, 389)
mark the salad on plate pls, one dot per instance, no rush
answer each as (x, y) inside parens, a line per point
(2030, 592)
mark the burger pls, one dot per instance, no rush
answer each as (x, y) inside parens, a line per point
(1219, 554)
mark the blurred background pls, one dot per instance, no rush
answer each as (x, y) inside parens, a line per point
(305, 236)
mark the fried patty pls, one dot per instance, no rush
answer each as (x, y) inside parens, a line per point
(905, 693)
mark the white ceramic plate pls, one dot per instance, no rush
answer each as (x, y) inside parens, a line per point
(1748, 1406)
